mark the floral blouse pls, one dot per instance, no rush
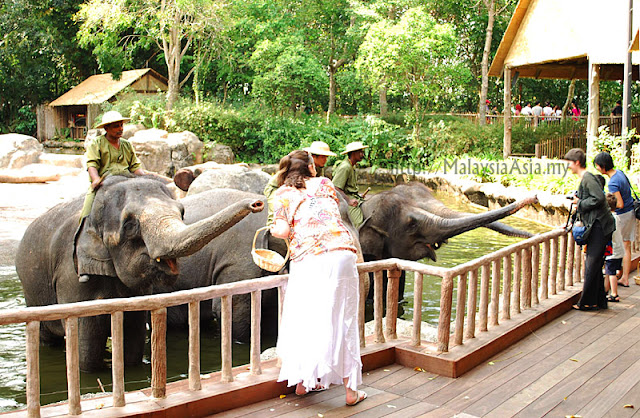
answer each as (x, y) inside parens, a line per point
(314, 219)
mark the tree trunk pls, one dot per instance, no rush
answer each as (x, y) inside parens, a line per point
(332, 92)
(384, 106)
(416, 108)
(567, 103)
(491, 6)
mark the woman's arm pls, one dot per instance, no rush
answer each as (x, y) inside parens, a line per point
(280, 229)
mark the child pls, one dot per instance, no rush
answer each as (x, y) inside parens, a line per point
(613, 263)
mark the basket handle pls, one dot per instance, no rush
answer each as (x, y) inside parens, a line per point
(255, 237)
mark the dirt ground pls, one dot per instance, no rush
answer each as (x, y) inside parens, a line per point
(20, 204)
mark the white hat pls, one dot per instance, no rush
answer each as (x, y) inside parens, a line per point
(320, 148)
(111, 117)
(354, 146)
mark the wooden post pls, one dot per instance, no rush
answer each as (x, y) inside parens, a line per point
(377, 306)
(554, 266)
(416, 338)
(225, 338)
(577, 271)
(472, 295)
(570, 260)
(281, 293)
(484, 297)
(362, 300)
(256, 316)
(117, 358)
(544, 279)
(33, 369)
(593, 119)
(526, 278)
(562, 268)
(194, 346)
(444, 321)
(73, 365)
(393, 284)
(462, 295)
(159, 353)
(506, 289)
(495, 292)
(535, 273)
(515, 306)
(506, 151)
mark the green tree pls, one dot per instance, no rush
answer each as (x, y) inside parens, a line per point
(415, 56)
(118, 28)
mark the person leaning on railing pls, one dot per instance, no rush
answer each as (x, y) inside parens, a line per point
(594, 212)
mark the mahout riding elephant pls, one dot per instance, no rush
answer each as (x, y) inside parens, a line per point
(228, 260)
(134, 236)
(408, 222)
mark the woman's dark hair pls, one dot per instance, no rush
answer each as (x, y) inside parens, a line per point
(604, 160)
(576, 154)
(294, 169)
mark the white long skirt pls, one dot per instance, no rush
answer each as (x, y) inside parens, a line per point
(318, 337)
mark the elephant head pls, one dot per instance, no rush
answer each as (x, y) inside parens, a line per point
(398, 225)
(136, 232)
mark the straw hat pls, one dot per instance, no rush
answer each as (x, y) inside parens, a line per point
(320, 148)
(111, 117)
(354, 146)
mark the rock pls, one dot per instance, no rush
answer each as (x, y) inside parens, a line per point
(166, 153)
(17, 150)
(237, 176)
(268, 354)
(36, 173)
(219, 153)
(91, 135)
(61, 160)
(131, 129)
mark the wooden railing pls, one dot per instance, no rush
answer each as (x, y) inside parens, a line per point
(503, 294)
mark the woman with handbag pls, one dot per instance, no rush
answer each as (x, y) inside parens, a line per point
(620, 187)
(594, 212)
(318, 340)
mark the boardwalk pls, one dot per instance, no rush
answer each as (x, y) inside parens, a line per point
(583, 363)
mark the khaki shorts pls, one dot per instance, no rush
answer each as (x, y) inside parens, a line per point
(627, 225)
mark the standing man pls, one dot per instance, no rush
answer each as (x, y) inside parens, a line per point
(617, 111)
(320, 152)
(345, 178)
(537, 113)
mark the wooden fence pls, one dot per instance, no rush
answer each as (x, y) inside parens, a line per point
(511, 279)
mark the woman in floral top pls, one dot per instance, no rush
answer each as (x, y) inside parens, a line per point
(318, 340)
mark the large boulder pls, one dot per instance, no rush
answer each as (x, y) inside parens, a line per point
(236, 176)
(222, 154)
(130, 129)
(165, 153)
(17, 150)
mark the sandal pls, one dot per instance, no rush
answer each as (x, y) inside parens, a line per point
(613, 298)
(361, 397)
(622, 284)
(585, 308)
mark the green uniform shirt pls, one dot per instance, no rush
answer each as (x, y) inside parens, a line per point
(345, 177)
(105, 158)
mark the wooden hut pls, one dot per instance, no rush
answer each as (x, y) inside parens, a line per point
(565, 40)
(75, 111)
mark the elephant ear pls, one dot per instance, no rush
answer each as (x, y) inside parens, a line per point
(372, 238)
(89, 251)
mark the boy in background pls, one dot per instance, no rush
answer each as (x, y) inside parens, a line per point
(613, 262)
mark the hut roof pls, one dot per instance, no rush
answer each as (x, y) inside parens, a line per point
(557, 39)
(102, 87)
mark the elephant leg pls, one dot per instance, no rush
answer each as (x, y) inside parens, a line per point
(93, 333)
(135, 333)
(241, 314)
(48, 334)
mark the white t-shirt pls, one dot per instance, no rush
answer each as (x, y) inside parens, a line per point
(616, 239)
(559, 112)
(537, 110)
(547, 110)
(526, 111)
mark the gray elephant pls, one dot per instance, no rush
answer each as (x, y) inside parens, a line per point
(133, 237)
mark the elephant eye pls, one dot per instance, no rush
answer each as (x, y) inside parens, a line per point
(131, 227)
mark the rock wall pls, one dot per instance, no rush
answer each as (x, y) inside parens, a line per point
(17, 150)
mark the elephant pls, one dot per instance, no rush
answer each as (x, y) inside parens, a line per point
(133, 237)
(229, 260)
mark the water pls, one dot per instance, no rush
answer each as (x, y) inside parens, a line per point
(53, 383)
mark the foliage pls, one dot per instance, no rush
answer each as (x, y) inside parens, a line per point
(613, 145)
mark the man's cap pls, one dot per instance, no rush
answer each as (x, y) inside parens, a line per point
(320, 148)
(354, 146)
(111, 117)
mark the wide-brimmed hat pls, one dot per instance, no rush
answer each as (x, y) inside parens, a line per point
(354, 146)
(320, 148)
(111, 117)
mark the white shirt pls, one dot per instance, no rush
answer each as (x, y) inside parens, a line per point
(559, 112)
(548, 111)
(537, 110)
(526, 111)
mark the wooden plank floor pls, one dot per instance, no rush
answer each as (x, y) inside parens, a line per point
(583, 363)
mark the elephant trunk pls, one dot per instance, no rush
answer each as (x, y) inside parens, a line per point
(450, 227)
(167, 237)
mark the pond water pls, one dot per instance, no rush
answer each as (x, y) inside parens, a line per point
(460, 249)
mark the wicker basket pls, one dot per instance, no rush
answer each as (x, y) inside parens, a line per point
(267, 259)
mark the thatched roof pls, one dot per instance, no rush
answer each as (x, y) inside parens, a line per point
(557, 39)
(102, 87)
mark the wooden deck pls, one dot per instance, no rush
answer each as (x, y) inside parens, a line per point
(582, 363)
